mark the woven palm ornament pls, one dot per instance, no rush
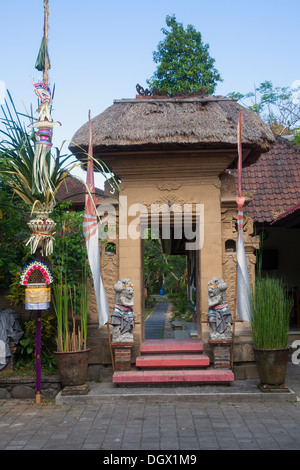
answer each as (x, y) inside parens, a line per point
(37, 277)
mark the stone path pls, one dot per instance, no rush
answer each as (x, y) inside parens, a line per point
(154, 325)
(159, 324)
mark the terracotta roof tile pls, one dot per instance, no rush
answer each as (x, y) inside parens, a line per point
(287, 213)
(274, 181)
(74, 191)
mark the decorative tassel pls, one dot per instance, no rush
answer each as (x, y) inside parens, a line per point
(42, 236)
(47, 243)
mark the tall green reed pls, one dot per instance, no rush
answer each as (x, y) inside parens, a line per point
(60, 301)
(79, 299)
(70, 300)
(271, 308)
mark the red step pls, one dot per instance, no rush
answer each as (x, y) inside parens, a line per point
(171, 346)
(148, 377)
(172, 360)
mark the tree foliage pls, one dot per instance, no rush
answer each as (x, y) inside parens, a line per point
(69, 252)
(14, 230)
(161, 269)
(184, 63)
(279, 107)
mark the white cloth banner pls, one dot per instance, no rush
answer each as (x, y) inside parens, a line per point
(90, 227)
(243, 293)
(90, 231)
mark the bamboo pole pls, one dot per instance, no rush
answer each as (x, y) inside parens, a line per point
(234, 318)
(38, 352)
(38, 366)
(110, 347)
(46, 27)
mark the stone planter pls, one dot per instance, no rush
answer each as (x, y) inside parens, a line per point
(272, 365)
(72, 366)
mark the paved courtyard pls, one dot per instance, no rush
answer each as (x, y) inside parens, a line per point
(168, 426)
(174, 421)
(184, 427)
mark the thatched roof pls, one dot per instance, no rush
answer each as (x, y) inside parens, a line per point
(174, 123)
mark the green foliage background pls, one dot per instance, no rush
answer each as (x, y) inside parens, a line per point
(13, 232)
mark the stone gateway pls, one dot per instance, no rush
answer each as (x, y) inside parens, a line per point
(173, 154)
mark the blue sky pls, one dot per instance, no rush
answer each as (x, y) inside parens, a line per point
(100, 50)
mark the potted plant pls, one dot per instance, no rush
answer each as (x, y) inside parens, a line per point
(270, 329)
(70, 304)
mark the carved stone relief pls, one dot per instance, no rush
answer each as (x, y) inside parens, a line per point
(110, 272)
(168, 186)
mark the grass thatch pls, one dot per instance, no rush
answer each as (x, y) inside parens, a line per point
(146, 123)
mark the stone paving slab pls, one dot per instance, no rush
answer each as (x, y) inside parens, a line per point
(154, 325)
(146, 421)
(177, 428)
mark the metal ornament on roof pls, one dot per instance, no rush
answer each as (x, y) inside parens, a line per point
(164, 94)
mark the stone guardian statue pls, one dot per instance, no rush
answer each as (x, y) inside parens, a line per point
(219, 316)
(122, 317)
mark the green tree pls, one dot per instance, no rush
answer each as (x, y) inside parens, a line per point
(160, 268)
(279, 107)
(184, 63)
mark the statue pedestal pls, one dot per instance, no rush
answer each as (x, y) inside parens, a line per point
(221, 353)
(122, 355)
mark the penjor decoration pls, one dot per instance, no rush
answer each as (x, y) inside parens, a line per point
(42, 225)
(36, 277)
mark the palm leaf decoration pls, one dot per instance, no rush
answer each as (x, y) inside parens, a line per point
(17, 149)
(17, 164)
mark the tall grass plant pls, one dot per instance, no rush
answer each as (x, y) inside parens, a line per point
(70, 302)
(271, 308)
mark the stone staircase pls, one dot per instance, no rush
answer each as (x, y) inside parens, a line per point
(172, 362)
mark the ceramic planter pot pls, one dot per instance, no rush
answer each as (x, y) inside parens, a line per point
(272, 365)
(72, 366)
